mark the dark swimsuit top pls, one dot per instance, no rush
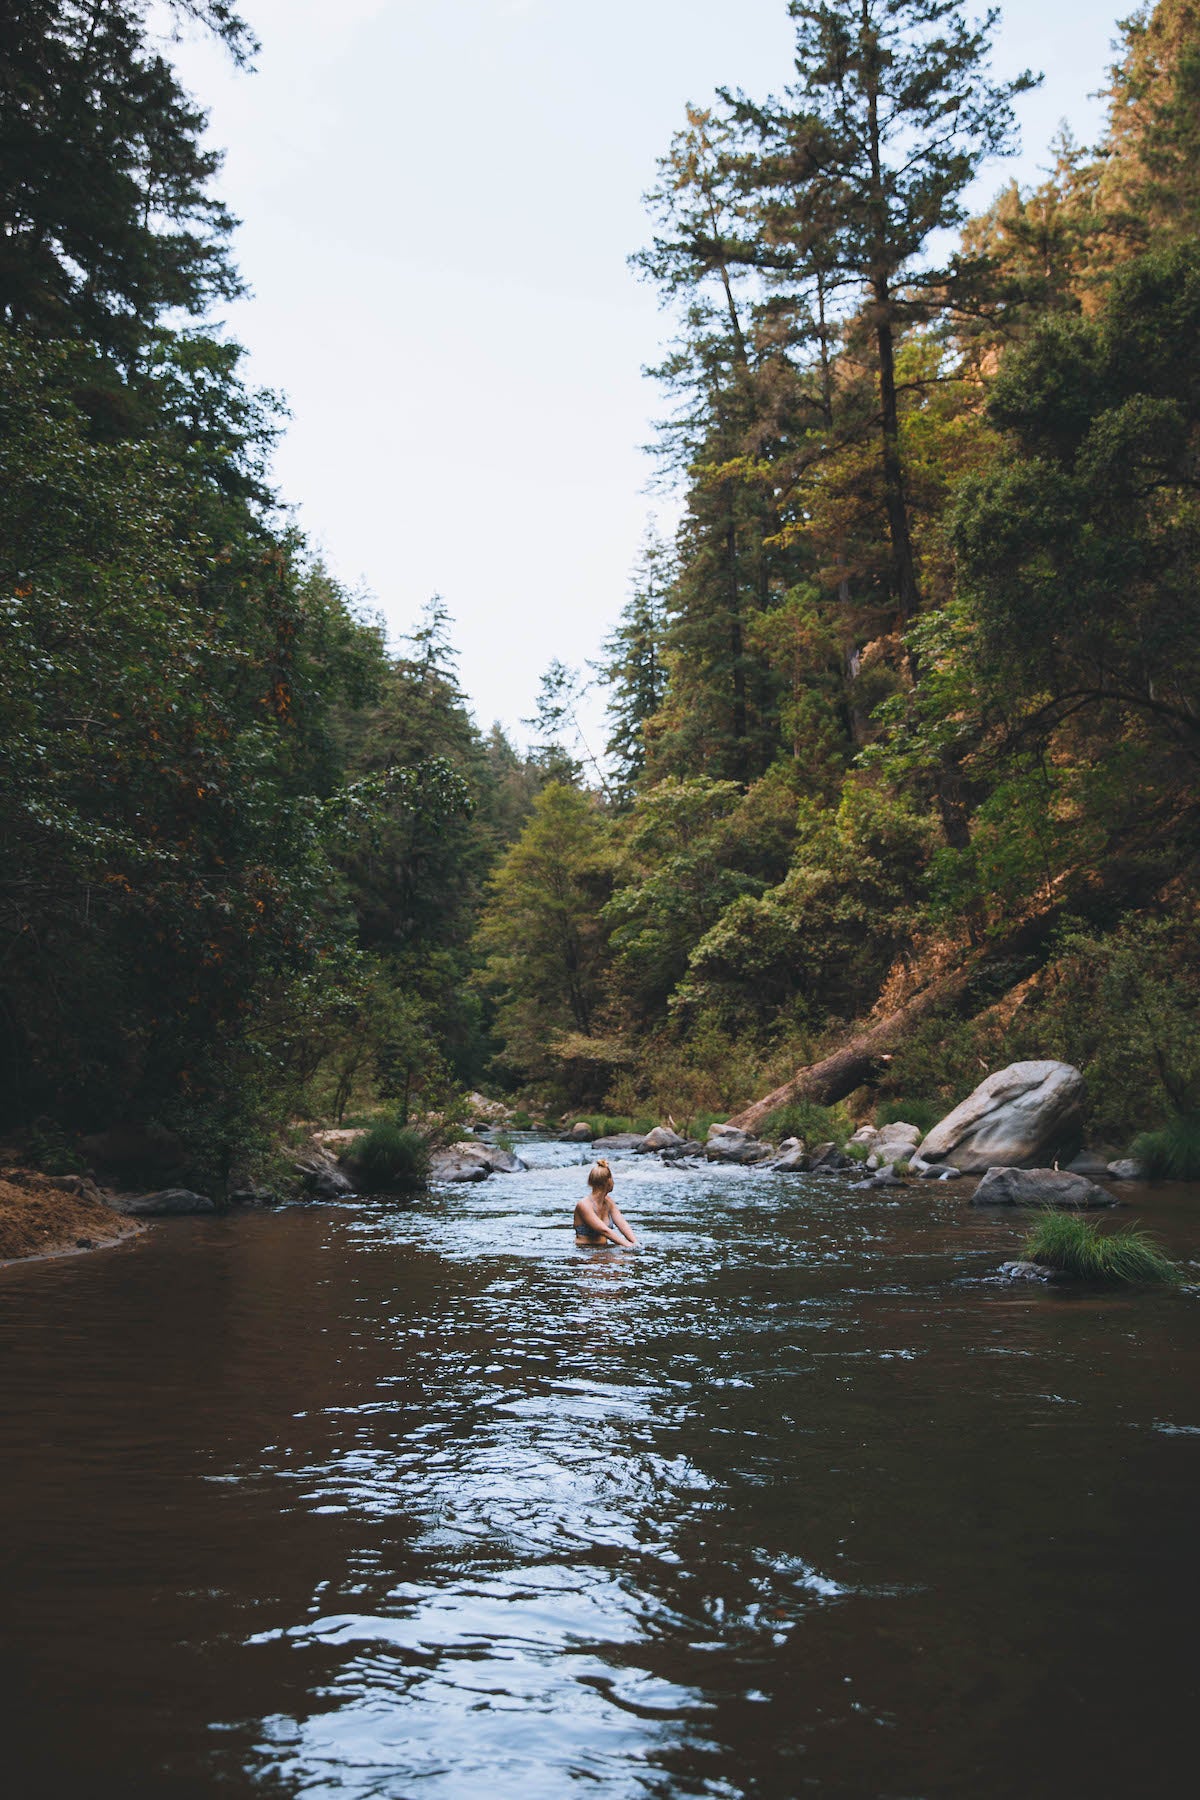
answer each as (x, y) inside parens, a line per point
(583, 1229)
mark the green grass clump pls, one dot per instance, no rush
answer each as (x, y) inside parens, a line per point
(391, 1159)
(857, 1152)
(1172, 1154)
(520, 1121)
(924, 1114)
(806, 1120)
(1078, 1247)
(605, 1125)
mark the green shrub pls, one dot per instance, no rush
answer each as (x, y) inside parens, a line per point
(924, 1114)
(1172, 1154)
(1078, 1247)
(806, 1120)
(903, 1167)
(857, 1152)
(391, 1159)
(521, 1121)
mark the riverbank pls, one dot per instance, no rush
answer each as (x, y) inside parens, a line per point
(55, 1215)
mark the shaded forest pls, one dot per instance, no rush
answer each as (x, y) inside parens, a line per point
(900, 779)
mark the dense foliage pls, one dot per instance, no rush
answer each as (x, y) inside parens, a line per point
(241, 846)
(906, 727)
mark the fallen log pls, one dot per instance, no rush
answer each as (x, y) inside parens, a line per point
(835, 1076)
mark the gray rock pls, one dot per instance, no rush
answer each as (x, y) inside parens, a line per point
(322, 1177)
(167, 1203)
(620, 1140)
(790, 1162)
(729, 1144)
(1040, 1187)
(493, 1159)
(1016, 1118)
(1125, 1169)
(896, 1143)
(457, 1168)
(578, 1134)
(689, 1147)
(866, 1134)
(662, 1138)
(252, 1196)
(1031, 1271)
(886, 1177)
(827, 1159)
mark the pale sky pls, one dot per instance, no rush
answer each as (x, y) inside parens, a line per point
(438, 199)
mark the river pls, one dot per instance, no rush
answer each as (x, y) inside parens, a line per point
(385, 1503)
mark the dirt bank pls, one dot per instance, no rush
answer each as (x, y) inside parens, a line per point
(52, 1215)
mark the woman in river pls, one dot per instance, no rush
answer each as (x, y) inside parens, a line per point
(598, 1219)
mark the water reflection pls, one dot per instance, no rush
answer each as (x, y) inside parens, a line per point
(433, 1502)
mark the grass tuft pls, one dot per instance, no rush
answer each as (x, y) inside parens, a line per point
(1078, 1247)
(1172, 1154)
(391, 1159)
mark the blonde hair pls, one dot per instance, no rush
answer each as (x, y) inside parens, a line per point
(600, 1176)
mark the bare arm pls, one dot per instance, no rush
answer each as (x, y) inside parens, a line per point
(586, 1208)
(618, 1220)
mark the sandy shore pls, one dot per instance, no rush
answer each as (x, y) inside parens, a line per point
(55, 1215)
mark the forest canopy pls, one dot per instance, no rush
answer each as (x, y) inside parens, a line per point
(903, 725)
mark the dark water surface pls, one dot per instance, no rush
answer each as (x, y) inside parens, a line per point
(356, 1502)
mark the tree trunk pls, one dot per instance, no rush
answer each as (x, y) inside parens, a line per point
(835, 1076)
(907, 596)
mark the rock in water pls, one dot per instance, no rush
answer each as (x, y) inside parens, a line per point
(1031, 1271)
(728, 1144)
(167, 1203)
(662, 1138)
(580, 1133)
(1017, 1118)
(1040, 1187)
(322, 1177)
(827, 1159)
(1126, 1169)
(620, 1140)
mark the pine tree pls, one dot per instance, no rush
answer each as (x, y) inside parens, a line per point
(634, 667)
(864, 159)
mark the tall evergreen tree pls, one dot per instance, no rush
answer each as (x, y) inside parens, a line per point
(634, 666)
(863, 160)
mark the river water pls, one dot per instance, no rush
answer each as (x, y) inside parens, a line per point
(361, 1501)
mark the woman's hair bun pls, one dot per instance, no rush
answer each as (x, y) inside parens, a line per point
(600, 1175)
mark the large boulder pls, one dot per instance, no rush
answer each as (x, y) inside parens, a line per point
(729, 1144)
(1126, 1168)
(662, 1138)
(896, 1143)
(620, 1140)
(1017, 1118)
(323, 1179)
(580, 1133)
(447, 1165)
(1040, 1187)
(166, 1203)
(470, 1161)
(792, 1158)
(827, 1159)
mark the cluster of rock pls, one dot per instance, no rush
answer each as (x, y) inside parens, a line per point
(1013, 1131)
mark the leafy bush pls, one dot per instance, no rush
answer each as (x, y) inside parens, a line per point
(391, 1159)
(857, 1152)
(521, 1121)
(1172, 1154)
(1078, 1247)
(922, 1113)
